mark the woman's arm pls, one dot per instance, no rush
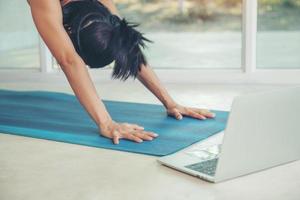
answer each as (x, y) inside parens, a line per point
(149, 79)
(47, 16)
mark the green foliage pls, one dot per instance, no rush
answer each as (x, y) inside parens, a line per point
(291, 3)
(287, 3)
(228, 3)
(199, 15)
(231, 3)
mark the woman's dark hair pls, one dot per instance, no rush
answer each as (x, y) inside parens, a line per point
(100, 38)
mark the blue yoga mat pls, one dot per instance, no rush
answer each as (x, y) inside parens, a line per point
(60, 117)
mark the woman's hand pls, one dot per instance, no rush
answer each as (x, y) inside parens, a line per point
(179, 111)
(134, 132)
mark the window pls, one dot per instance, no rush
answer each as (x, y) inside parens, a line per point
(19, 40)
(189, 33)
(278, 37)
(232, 41)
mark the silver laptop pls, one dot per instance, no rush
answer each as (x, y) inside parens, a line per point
(263, 131)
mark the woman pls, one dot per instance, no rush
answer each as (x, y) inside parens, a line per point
(91, 32)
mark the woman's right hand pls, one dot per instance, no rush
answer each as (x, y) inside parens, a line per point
(117, 131)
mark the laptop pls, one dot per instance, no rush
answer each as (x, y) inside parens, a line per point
(262, 131)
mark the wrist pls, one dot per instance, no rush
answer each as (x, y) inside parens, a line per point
(170, 104)
(104, 121)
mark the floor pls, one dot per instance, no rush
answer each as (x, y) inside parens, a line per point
(39, 169)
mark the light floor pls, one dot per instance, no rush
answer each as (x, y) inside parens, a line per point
(38, 169)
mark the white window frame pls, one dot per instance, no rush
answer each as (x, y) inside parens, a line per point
(248, 73)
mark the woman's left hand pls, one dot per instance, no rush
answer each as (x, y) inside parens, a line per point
(177, 111)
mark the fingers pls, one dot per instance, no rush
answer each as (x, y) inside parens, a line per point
(192, 112)
(137, 127)
(132, 137)
(137, 136)
(143, 136)
(146, 135)
(210, 115)
(116, 139)
(205, 113)
(195, 115)
(199, 113)
(177, 115)
(132, 132)
(152, 134)
(133, 126)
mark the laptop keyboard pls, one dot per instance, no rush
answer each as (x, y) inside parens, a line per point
(206, 167)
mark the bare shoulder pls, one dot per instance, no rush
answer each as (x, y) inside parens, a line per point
(44, 4)
(47, 16)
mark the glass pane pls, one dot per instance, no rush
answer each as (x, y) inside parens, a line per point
(188, 33)
(19, 39)
(278, 39)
